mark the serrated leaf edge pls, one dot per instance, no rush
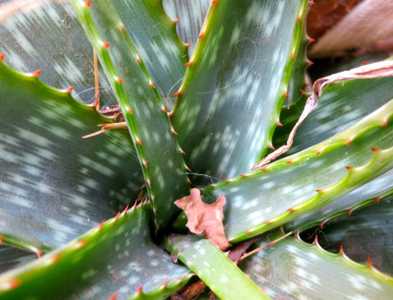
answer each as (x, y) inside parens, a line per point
(322, 197)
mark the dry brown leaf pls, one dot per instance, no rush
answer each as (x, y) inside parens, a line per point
(368, 27)
(324, 14)
(204, 218)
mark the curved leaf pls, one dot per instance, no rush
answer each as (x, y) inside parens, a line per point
(55, 186)
(371, 190)
(143, 109)
(341, 105)
(348, 96)
(309, 180)
(44, 34)
(306, 271)
(116, 259)
(236, 83)
(190, 16)
(365, 233)
(379, 70)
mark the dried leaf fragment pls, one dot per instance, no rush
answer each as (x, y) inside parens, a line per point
(367, 28)
(324, 14)
(204, 218)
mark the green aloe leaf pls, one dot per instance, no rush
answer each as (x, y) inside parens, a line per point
(353, 94)
(348, 101)
(309, 180)
(116, 259)
(322, 129)
(236, 83)
(143, 108)
(289, 118)
(190, 16)
(45, 35)
(342, 104)
(358, 197)
(54, 185)
(11, 257)
(216, 270)
(154, 35)
(292, 269)
(364, 233)
(297, 86)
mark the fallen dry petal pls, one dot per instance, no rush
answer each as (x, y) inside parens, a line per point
(204, 218)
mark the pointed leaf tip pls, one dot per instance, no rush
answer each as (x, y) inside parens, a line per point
(205, 218)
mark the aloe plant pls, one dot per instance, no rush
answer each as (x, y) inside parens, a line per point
(113, 110)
